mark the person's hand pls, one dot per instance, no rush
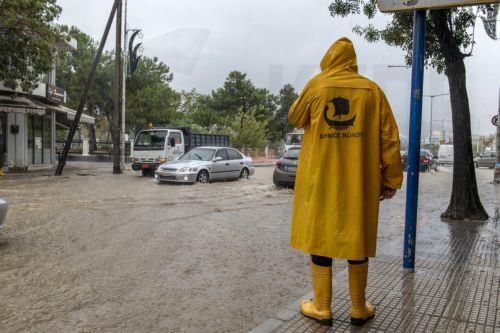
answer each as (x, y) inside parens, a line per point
(386, 193)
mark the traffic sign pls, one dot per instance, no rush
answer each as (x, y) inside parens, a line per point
(494, 120)
(406, 5)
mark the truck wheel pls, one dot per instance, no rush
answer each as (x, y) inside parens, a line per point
(203, 177)
(244, 173)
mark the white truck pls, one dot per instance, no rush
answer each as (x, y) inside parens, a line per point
(156, 146)
(445, 154)
(294, 139)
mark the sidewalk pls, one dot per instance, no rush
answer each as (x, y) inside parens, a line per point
(455, 287)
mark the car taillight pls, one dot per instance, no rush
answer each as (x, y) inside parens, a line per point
(278, 164)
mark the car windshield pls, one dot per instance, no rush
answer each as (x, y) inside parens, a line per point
(292, 154)
(199, 154)
(151, 139)
(293, 139)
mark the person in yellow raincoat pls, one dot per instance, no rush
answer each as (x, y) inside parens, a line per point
(349, 161)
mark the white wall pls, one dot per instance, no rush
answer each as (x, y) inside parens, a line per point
(17, 144)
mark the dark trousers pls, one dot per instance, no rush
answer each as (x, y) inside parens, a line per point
(327, 262)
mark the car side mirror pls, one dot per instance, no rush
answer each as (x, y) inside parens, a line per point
(217, 159)
(172, 142)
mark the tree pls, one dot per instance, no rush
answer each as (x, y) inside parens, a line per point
(280, 123)
(252, 134)
(238, 94)
(488, 141)
(28, 41)
(449, 40)
(150, 97)
(72, 69)
(197, 111)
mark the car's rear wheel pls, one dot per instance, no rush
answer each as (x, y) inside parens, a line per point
(203, 177)
(147, 172)
(244, 173)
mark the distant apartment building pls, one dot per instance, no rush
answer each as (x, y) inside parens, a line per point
(28, 122)
(438, 138)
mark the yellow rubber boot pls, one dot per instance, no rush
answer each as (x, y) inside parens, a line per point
(361, 310)
(1, 172)
(319, 308)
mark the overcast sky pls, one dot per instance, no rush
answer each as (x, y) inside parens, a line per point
(282, 41)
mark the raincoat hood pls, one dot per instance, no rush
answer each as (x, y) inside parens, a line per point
(340, 57)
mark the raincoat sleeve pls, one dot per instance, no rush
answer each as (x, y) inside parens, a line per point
(392, 170)
(300, 111)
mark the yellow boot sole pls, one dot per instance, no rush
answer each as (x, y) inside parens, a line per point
(326, 322)
(360, 321)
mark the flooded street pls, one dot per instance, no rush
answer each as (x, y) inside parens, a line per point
(93, 252)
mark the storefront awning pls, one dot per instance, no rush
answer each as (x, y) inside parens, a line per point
(19, 105)
(70, 113)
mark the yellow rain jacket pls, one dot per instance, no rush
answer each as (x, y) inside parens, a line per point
(350, 148)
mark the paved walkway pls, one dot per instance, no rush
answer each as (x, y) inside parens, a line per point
(455, 287)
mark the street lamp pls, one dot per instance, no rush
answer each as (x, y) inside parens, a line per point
(432, 100)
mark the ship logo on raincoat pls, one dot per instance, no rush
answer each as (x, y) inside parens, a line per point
(341, 108)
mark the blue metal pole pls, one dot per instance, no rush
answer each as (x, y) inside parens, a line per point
(417, 80)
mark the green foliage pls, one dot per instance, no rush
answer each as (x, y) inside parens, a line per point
(398, 32)
(150, 97)
(252, 134)
(72, 70)
(238, 94)
(28, 41)
(280, 124)
(197, 110)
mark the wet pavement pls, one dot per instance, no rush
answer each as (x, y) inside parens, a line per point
(93, 252)
(455, 286)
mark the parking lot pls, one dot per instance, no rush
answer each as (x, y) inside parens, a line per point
(91, 251)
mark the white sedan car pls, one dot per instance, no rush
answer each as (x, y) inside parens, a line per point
(3, 212)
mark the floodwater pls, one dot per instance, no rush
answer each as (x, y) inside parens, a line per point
(94, 252)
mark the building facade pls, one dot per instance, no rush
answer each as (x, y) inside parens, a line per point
(28, 123)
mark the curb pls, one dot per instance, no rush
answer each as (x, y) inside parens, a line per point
(291, 310)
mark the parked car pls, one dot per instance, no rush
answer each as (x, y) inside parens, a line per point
(204, 164)
(286, 168)
(427, 161)
(3, 212)
(486, 160)
(445, 154)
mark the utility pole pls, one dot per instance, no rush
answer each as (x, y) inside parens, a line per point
(86, 89)
(118, 103)
(124, 83)
(497, 165)
(432, 102)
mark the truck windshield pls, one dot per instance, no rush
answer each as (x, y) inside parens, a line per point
(199, 154)
(150, 140)
(293, 139)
